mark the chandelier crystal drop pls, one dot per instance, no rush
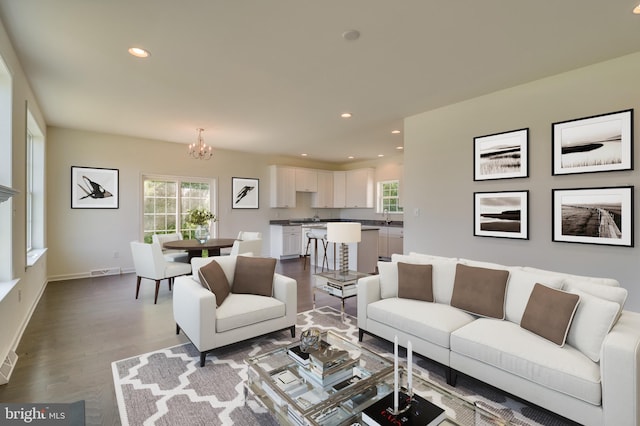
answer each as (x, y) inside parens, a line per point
(200, 150)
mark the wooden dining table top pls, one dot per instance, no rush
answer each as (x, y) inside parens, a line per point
(212, 243)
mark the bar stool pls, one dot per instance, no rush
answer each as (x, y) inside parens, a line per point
(311, 237)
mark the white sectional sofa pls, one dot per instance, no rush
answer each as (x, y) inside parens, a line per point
(592, 379)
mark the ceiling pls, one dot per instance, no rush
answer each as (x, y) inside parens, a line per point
(273, 76)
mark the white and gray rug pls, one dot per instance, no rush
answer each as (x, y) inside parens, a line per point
(167, 387)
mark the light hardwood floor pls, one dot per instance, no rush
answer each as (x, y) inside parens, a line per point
(81, 326)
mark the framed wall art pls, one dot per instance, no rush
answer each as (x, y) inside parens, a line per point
(600, 143)
(501, 155)
(502, 214)
(244, 193)
(593, 215)
(94, 188)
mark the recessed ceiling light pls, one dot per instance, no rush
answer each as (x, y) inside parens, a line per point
(139, 52)
(400, 147)
(395, 132)
(636, 10)
(346, 115)
(380, 155)
(304, 155)
(351, 157)
(351, 35)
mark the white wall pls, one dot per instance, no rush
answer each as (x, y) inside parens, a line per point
(438, 167)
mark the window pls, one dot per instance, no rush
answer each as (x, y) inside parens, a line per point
(167, 201)
(34, 188)
(389, 197)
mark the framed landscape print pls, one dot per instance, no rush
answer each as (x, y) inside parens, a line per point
(94, 188)
(244, 193)
(594, 215)
(501, 214)
(501, 155)
(600, 143)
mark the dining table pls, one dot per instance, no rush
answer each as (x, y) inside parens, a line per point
(194, 247)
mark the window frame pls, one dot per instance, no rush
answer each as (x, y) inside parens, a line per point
(380, 205)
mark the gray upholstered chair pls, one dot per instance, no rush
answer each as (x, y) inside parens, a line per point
(151, 264)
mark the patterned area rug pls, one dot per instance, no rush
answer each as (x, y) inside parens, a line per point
(167, 387)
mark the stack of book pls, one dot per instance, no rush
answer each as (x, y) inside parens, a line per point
(341, 290)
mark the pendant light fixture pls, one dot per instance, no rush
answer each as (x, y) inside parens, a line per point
(200, 150)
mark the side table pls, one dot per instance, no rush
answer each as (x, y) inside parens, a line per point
(337, 285)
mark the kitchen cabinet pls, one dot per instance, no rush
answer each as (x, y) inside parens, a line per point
(283, 189)
(323, 197)
(359, 188)
(306, 180)
(285, 241)
(390, 241)
(339, 189)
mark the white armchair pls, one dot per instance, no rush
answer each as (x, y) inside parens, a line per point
(151, 264)
(247, 246)
(169, 254)
(239, 317)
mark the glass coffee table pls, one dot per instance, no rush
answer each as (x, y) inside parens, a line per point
(295, 395)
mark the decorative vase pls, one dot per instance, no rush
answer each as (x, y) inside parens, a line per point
(202, 233)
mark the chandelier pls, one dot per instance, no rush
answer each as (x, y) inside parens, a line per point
(200, 150)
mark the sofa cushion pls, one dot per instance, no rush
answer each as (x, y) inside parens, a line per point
(429, 321)
(591, 324)
(549, 313)
(519, 289)
(442, 275)
(595, 280)
(388, 272)
(227, 263)
(414, 282)
(480, 291)
(487, 265)
(254, 275)
(240, 310)
(212, 277)
(504, 345)
(607, 292)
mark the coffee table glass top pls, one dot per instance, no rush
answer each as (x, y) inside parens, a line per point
(295, 394)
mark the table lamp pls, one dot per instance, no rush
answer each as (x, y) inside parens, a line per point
(344, 233)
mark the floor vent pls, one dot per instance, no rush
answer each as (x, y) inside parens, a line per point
(107, 271)
(7, 367)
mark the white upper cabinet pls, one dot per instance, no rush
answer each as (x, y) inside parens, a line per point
(283, 186)
(339, 189)
(306, 180)
(323, 198)
(359, 188)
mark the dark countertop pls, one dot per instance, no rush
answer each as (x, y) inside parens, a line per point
(364, 222)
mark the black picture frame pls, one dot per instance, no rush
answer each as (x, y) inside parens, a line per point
(501, 214)
(94, 188)
(599, 143)
(502, 155)
(593, 215)
(245, 193)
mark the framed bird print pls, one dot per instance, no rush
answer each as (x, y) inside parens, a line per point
(94, 188)
(245, 193)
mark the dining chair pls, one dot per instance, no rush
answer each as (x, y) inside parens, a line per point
(249, 235)
(151, 264)
(170, 255)
(247, 246)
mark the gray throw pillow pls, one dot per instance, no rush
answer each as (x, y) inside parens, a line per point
(549, 313)
(414, 281)
(212, 277)
(480, 291)
(254, 275)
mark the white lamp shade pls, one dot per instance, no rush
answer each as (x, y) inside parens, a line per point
(344, 232)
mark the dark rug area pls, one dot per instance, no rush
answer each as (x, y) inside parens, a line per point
(167, 387)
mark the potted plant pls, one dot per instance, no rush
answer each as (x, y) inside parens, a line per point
(201, 218)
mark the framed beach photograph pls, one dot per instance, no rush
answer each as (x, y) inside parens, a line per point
(503, 214)
(244, 193)
(501, 155)
(593, 215)
(94, 188)
(601, 143)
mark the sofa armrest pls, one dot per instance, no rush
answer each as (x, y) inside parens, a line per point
(285, 289)
(368, 292)
(194, 310)
(620, 370)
